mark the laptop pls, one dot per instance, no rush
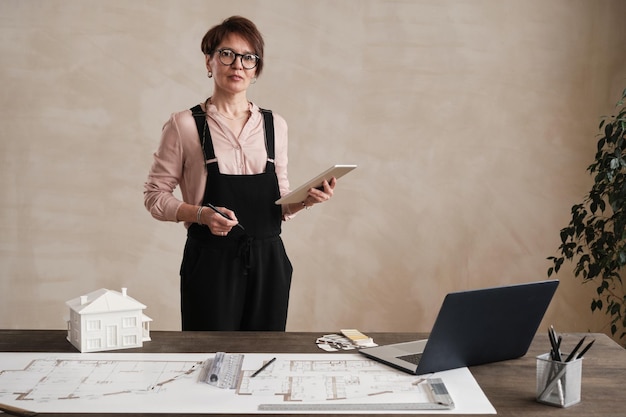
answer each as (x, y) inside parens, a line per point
(473, 328)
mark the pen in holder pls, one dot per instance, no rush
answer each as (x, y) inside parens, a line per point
(558, 382)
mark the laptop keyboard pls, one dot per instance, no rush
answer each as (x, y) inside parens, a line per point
(413, 358)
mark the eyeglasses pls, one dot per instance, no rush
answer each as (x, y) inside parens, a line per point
(228, 57)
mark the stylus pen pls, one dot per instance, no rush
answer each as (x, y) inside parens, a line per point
(572, 354)
(555, 348)
(262, 367)
(580, 355)
(212, 207)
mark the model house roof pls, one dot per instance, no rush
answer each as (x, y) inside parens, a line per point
(104, 301)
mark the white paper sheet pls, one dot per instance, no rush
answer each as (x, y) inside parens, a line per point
(168, 383)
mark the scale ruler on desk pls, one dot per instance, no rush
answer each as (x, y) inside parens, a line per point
(353, 407)
(223, 371)
(441, 401)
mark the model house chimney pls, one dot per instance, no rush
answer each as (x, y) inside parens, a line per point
(83, 300)
(124, 290)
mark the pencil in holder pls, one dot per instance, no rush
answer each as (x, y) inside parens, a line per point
(558, 383)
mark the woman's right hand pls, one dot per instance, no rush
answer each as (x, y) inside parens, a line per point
(219, 225)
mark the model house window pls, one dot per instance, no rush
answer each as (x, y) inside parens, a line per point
(94, 344)
(93, 325)
(129, 322)
(129, 340)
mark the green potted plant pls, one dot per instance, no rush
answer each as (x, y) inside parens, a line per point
(595, 239)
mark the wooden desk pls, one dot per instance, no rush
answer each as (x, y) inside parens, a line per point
(509, 385)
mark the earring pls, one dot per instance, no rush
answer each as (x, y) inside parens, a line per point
(210, 74)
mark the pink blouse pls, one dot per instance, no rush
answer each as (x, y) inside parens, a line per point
(178, 161)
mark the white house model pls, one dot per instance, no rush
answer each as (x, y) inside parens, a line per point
(107, 320)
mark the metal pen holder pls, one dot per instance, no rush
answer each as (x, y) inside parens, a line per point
(558, 383)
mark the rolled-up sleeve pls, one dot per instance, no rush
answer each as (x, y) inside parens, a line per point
(165, 175)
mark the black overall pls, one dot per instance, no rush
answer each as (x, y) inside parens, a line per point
(240, 281)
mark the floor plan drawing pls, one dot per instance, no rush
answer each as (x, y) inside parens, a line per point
(116, 382)
(66, 379)
(327, 380)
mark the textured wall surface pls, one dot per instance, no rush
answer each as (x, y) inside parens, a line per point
(472, 123)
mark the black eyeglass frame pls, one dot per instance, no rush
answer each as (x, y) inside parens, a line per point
(256, 58)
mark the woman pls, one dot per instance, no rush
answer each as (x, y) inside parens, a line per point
(229, 158)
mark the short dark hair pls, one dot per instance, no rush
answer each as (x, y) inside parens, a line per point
(237, 25)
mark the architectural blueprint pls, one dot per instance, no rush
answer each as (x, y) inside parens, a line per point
(315, 380)
(147, 383)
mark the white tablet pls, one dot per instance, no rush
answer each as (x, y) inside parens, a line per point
(300, 193)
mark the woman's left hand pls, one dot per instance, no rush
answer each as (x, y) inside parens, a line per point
(319, 196)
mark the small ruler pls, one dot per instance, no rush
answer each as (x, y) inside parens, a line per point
(223, 370)
(441, 400)
(352, 407)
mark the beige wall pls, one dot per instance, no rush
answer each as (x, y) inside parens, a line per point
(472, 123)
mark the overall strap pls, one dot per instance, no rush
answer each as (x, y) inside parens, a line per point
(268, 120)
(204, 133)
